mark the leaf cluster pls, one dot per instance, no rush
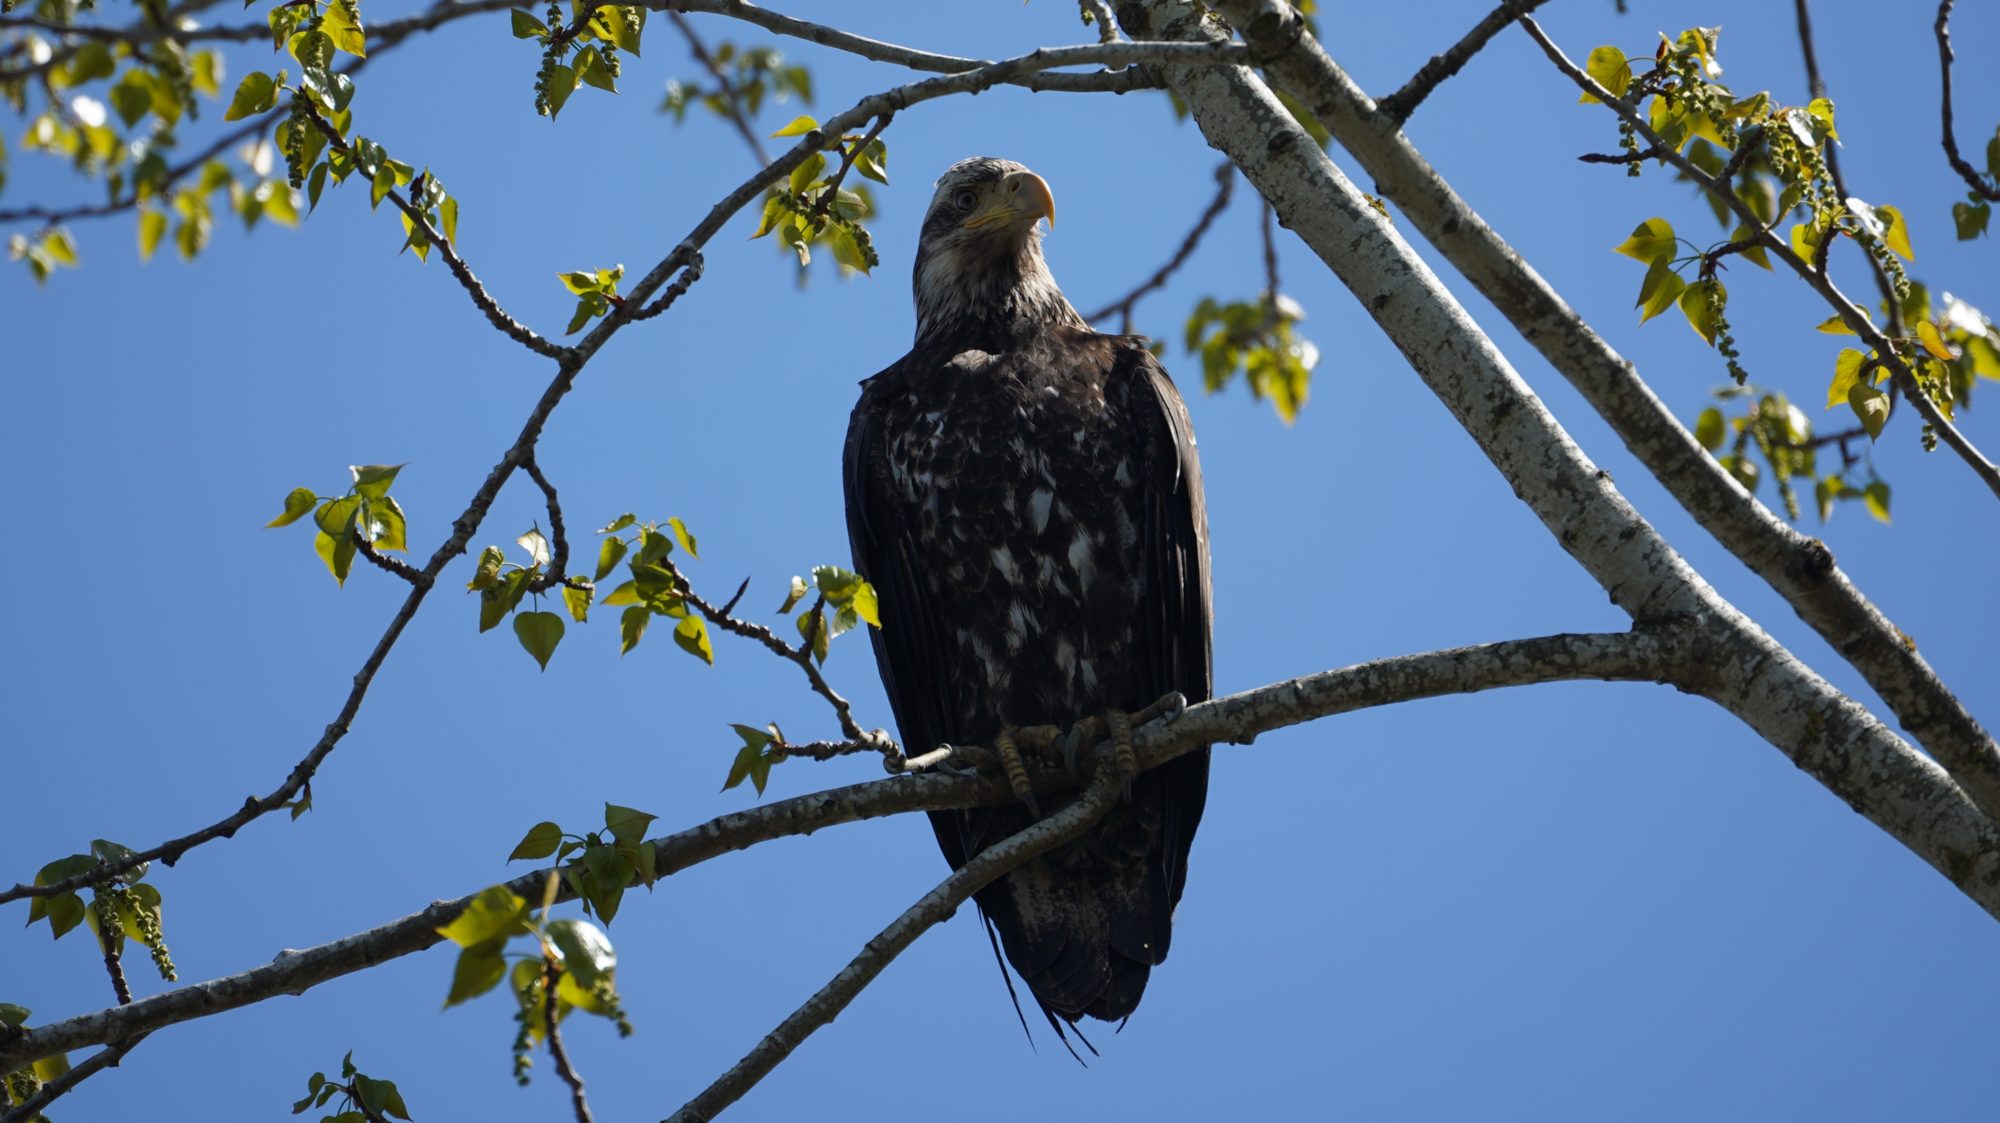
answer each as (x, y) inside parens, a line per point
(654, 587)
(582, 51)
(1258, 338)
(365, 513)
(364, 1099)
(749, 75)
(23, 1083)
(814, 208)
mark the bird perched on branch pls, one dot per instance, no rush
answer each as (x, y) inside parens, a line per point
(1024, 496)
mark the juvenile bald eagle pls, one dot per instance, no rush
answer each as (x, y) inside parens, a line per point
(1023, 494)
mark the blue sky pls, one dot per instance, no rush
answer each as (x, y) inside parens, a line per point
(1576, 901)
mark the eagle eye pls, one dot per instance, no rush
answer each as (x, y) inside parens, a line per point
(964, 199)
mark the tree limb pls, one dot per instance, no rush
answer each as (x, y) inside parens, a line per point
(1647, 655)
(1399, 105)
(1958, 162)
(107, 1057)
(1225, 184)
(1798, 567)
(929, 910)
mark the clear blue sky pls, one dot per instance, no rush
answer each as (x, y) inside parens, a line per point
(1576, 901)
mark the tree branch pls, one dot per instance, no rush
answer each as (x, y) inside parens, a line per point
(1799, 568)
(1958, 162)
(1225, 185)
(1399, 105)
(929, 910)
(1116, 82)
(1647, 656)
(107, 1057)
(551, 1026)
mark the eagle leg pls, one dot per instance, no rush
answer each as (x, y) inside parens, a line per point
(1017, 769)
(1119, 723)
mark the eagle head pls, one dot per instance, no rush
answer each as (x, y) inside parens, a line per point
(980, 278)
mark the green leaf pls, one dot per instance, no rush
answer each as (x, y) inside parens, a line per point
(1876, 496)
(1608, 66)
(526, 26)
(795, 594)
(381, 1096)
(540, 842)
(65, 911)
(632, 626)
(1703, 302)
(692, 636)
(590, 70)
(865, 605)
(608, 555)
(495, 913)
(1651, 241)
(479, 969)
(626, 824)
(586, 950)
(1658, 291)
(684, 537)
(257, 93)
(342, 23)
(537, 546)
(1871, 406)
(1846, 375)
(619, 523)
(813, 628)
(799, 126)
(500, 598)
(337, 551)
(1709, 429)
(562, 83)
(1897, 234)
(12, 1015)
(297, 504)
(1753, 251)
(752, 761)
(1970, 219)
(152, 227)
(577, 601)
(804, 175)
(539, 633)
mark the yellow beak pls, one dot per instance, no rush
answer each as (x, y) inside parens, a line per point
(1019, 197)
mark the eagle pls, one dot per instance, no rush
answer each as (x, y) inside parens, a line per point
(1023, 494)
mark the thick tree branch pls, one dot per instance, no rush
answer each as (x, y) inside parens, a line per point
(1800, 568)
(929, 910)
(1641, 656)
(1225, 185)
(1972, 178)
(1399, 105)
(1898, 789)
(1850, 313)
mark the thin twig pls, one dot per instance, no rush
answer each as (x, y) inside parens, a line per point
(1399, 105)
(396, 566)
(1816, 86)
(482, 299)
(848, 155)
(1225, 185)
(1099, 13)
(1105, 81)
(1639, 157)
(1972, 178)
(732, 97)
(107, 1057)
(111, 938)
(564, 1069)
(1853, 316)
(932, 908)
(558, 536)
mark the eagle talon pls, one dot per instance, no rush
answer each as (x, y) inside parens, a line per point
(1082, 735)
(1016, 769)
